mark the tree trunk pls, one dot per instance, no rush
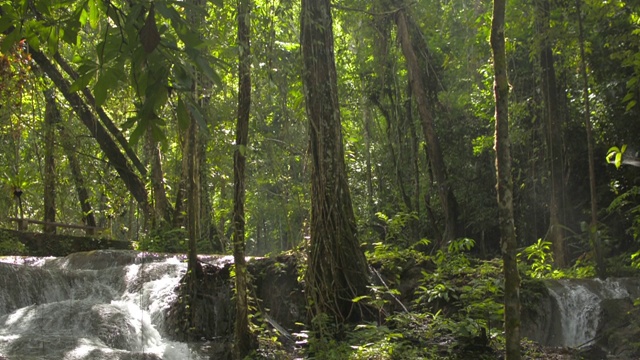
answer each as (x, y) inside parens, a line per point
(181, 190)
(51, 118)
(337, 270)
(392, 121)
(553, 120)
(88, 217)
(193, 193)
(366, 117)
(110, 149)
(242, 343)
(162, 208)
(434, 150)
(504, 186)
(593, 228)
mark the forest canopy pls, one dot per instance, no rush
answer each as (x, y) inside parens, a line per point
(97, 97)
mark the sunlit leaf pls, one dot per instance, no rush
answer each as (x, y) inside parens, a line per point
(94, 11)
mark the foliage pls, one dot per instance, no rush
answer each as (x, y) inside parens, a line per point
(164, 240)
(12, 247)
(615, 155)
(540, 257)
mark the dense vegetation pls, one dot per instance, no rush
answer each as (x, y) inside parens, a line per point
(121, 116)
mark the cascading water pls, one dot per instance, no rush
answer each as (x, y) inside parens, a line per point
(579, 307)
(103, 305)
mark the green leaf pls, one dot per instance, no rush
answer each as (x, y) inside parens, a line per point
(9, 41)
(94, 11)
(7, 19)
(70, 32)
(242, 149)
(359, 298)
(137, 133)
(82, 81)
(196, 113)
(108, 79)
(207, 70)
(630, 105)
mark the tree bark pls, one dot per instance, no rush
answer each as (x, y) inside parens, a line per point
(51, 117)
(193, 194)
(162, 208)
(553, 119)
(116, 159)
(504, 186)
(447, 200)
(337, 270)
(593, 228)
(242, 343)
(88, 217)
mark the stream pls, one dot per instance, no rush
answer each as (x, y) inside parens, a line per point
(97, 305)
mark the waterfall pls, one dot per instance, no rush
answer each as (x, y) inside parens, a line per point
(98, 305)
(578, 306)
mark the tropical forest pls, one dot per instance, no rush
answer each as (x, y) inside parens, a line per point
(319, 179)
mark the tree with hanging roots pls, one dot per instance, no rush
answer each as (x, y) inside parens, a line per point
(337, 270)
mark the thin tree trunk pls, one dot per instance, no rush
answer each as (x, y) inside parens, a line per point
(434, 150)
(366, 117)
(337, 271)
(51, 118)
(193, 194)
(392, 121)
(161, 206)
(553, 120)
(242, 343)
(119, 162)
(181, 190)
(88, 217)
(593, 228)
(505, 186)
(415, 153)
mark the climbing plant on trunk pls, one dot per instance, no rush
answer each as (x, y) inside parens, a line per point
(242, 343)
(553, 119)
(337, 270)
(447, 200)
(504, 185)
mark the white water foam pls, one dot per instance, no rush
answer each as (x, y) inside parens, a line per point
(579, 305)
(97, 306)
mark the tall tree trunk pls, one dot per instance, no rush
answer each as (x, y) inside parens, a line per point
(392, 121)
(434, 150)
(88, 216)
(366, 117)
(51, 118)
(193, 194)
(162, 208)
(181, 190)
(242, 343)
(119, 162)
(593, 228)
(504, 185)
(553, 120)
(337, 270)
